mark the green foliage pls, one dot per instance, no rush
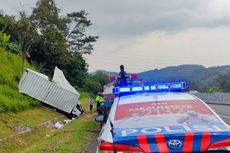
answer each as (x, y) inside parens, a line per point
(92, 85)
(39, 67)
(24, 32)
(78, 41)
(101, 78)
(45, 15)
(47, 40)
(224, 82)
(95, 83)
(6, 44)
(13, 48)
(76, 69)
(211, 90)
(8, 24)
(84, 95)
(4, 39)
(61, 41)
(10, 74)
(49, 47)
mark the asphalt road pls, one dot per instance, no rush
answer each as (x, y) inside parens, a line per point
(223, 111)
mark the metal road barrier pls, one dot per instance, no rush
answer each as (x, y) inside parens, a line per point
(214, 98)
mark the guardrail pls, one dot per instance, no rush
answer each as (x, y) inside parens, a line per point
(214, 98)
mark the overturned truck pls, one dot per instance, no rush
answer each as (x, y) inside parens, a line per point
(56, 92)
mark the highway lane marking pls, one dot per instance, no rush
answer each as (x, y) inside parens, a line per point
(225, 116)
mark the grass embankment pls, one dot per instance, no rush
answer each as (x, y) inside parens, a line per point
(17, 110)
(10, 74)
(72, 138)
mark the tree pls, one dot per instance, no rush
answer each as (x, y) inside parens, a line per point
(61, 41)
(91, 85)
(8, 24)
(24, 30)
(101, 78)
(77, 40)
(76, 69)
(45, 15)
(50, 46)
(8, 33)
(49, 49)
(224, 82)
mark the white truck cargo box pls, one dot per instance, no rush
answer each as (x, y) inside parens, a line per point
(57, 93)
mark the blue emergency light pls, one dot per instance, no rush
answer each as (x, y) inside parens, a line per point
(164, 87)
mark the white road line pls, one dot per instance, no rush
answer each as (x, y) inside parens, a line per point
(224, 116)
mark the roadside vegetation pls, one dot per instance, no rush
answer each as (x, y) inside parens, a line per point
(41, 41)
(43, 137)
(10, 74)
(18, 110)
(47, 39)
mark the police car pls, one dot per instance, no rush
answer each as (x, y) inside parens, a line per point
(161, 119)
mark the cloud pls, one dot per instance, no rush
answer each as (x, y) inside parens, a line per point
(133, 17)
(205, 46)
(149, 34)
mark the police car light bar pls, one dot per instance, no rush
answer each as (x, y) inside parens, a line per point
(112, 78)
(178, 86)
(131, 76)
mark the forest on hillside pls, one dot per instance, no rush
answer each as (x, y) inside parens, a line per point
(212, 79)
(47, 39)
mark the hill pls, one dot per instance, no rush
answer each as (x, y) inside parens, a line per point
(197, 76)
(105, 72)
(183, 73)
(10, 74)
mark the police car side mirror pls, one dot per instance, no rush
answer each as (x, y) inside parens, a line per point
(99, 118)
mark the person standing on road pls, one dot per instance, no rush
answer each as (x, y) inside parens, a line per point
(100, 102)
(90, 104)
(97, 100)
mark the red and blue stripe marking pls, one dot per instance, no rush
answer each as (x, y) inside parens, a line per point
(192, 142)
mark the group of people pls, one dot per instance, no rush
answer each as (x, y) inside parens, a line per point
(101, 109)
(99, 101)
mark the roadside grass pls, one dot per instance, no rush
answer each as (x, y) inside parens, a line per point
(10, 74)
(72, 138)
(30, 117)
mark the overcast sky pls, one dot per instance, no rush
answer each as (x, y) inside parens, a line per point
(149, 34)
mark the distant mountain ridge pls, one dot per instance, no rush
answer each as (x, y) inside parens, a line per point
(193, 74)
(183, 73)
(105, 72)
